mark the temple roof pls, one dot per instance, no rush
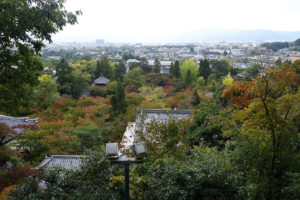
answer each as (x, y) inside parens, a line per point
(62, 161)
(16, 123)
(19, 125)
(101, 81)
(145, 116)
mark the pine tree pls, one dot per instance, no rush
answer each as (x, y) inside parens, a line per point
(119, 71)
(103, 68)
(98, 70)
(196, 98)
(188, 78)
(177, 69)
(118, 101)
(64, 77)
(156, 67)
(204, 69)
(171, 72)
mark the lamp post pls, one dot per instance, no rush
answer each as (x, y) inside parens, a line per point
(113, 155)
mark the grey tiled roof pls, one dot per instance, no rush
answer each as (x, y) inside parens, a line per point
(15, 122)
(145, 116)
(18, 124)
(159, 111)
(101, 81)
(62, 161)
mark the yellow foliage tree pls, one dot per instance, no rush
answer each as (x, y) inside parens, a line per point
(228, 80)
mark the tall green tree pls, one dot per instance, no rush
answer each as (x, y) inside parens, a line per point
(146, 68)
(118, 101)
(220, 67)
(135, 77)
(25, 25)
(156, 67)
(204, 69)
(64, 77)
(104, 67)
(177, 73)
(119, 71)
(171, 72)
(70, 80)
(196, 98)
(189, 65)
(46, 93)
(78, 84)
(85, 69)
(203, 129)
(188, 78)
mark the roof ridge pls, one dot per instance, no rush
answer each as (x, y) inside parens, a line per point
(164, 111)
(26, 119)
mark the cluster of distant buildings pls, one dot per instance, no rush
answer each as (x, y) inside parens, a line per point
(164, 65)
(243, 55)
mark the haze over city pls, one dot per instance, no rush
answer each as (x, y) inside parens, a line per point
(176, 21)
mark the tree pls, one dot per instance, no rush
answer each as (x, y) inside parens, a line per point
(118, 101)
(203, 129)
(227, 80)
(25, 26)
(46, 93)
(143, 64)
(10, 158)
(135, 77)
(90, 137)
(189, 64)
(92, 181)
(119, 71)
(296, 42)
(64, 77)
(172, 72)
(252, 71)
(220, 67)
(71, 80)
(269, 133)
(204, 173)
(6, 134)
(84, 69)
(196, 98)
(177, 73)
(188, 78)
(204, 69)
(278, 62)
(78, 84)
(104, 67)
(156, 67)
(275, 46)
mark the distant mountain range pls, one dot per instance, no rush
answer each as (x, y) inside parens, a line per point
(203, 35)
(237, 35)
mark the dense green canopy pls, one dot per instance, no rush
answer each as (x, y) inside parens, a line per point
(24, 26)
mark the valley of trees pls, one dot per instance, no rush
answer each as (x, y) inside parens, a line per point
(242, 142)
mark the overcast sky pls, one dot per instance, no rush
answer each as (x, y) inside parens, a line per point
(132, 20)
